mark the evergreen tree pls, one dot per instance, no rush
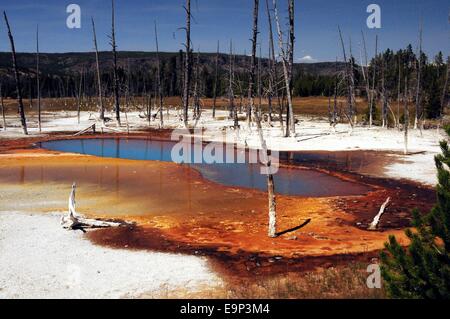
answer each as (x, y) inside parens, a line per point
(423, 269)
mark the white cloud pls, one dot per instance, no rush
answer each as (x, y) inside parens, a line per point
(307, 59)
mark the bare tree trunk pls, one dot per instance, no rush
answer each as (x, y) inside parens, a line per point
(445, 90)
(374, 224)
(17, 77)
(38, 80)
(418, 114)
(99, 80)
(366, 77)
(348, 77)
(259, 84)
(187, 62)
(233, 109)
(160, 97)
(291, 62)
(372, 102)
(251, 83)
(2, 106)
(273, 79)
(270, 181)
(127, 91)
(399, 92)
(216, 71)
(353, 110)
(272, 204)
(330, 115)
(74, 221)
(335, 96)
(196, 88)
(383, 96)
(284, 60)
(406, 115)
(116, 76)
(80, 88)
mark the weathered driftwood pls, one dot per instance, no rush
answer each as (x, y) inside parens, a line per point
(91, 127)
(374, 224)
(75, 221)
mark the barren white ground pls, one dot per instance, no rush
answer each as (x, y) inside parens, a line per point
(39, 259)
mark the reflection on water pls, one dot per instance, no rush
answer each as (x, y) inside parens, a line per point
(288, 181)
(137, 189)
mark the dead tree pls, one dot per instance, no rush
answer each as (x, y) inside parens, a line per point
(445, 90)
(216, 71)
(270, 181)
(115, 71)
(99, 80)
(335, 100)
(384, 101)
(75, 221)
(259, 84)
(187, 62)
(196, 92)
(250, 105)
(79, 96)
(270, 90)
(418, 112)
(273, 78)
(406, 116)
(374, 76)
(376, 220)
(38, 83)
(158, 79)
(366, 77)
(399, 91)
(348, 78)
(233, 109)
(287, 79)
(2, 106)
(353, 111)
(17, 77)
(127, 91)
(291, 61)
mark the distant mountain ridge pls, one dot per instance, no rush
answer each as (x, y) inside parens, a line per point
(75, 62)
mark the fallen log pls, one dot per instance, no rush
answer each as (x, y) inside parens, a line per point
(91, 127)
(75, 221)
(374, 224)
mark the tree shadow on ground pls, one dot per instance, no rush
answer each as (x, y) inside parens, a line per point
(294, 228)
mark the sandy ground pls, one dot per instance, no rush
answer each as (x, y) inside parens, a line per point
(41, 260)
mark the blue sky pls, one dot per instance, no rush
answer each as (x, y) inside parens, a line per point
(316, 25)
